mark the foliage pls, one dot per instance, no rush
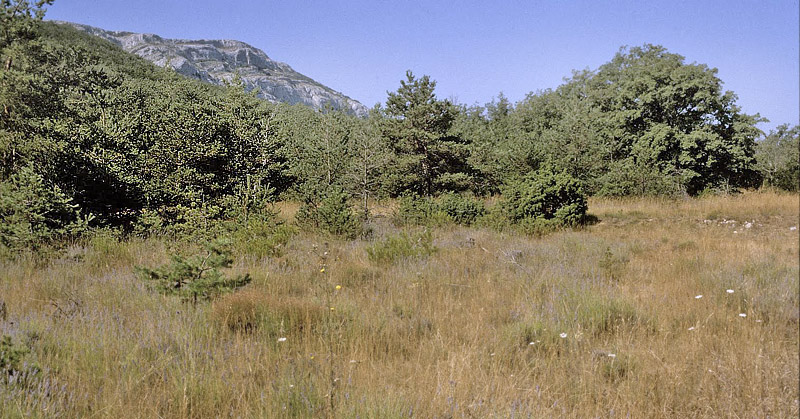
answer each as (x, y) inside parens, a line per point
(778, 158)
(402, 246)
(196, 277)
(262, 238)
(11, 356)
(416, 210)
(450, 207)
(426, 158)
(33, 213)
(460, 209)
(331, 214)
(544, 199)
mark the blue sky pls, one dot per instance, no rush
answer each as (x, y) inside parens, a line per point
(476, 49)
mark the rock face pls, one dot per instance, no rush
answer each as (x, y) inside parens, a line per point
(219, 61)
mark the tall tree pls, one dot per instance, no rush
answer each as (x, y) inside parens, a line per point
(427, 158)
(660, 113)
(369, 157)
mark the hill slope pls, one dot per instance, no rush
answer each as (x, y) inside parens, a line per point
(218, 61)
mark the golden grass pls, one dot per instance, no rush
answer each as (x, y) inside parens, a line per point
(474, 330)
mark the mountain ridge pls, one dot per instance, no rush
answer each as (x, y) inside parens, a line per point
(219, 61)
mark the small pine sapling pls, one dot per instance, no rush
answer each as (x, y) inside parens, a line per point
(198, 276)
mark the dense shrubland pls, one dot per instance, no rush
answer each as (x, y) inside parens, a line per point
(124, 144)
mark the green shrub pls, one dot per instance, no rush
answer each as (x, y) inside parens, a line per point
(15, 369)
(11, 356)
(331, 214)
(416, 210)
(402, 246)
(33, 214)
(778, 158)
(196, 277)
(450, 207)
(460, 209)
(262, 238)
(193, 223)
(544, 200)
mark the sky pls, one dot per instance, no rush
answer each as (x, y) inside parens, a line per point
(477, 49)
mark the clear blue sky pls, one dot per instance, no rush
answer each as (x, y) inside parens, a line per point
(475, 49)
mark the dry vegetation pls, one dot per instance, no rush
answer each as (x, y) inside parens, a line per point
(607, 321)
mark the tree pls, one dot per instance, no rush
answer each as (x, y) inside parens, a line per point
(427, 159)
(659, 112)
(778, 158)
(369, 157)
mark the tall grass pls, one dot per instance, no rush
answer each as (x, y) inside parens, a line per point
(604, 321)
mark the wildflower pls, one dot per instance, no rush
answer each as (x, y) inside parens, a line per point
(333, 308)
(748, 225)
(691, 328)
(532, 343)
(729, 291)
(291, 385)
(281, 339)
(612, 355)
(322, 270)
(735, 232)
(697, 297)
(491, 354)
(742, 314)
(792, 228)
(563, 335)
(338, 287)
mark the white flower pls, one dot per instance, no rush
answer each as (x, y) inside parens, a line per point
(729, 291)
(563, 335)
(735, 232)
(697, 297)
(612, 355)
(742, 314)
(748, 225)
(792, 228)
(281, 339)
(531, 343)
(691, 328)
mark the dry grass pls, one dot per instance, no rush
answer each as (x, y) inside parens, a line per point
(473, 330)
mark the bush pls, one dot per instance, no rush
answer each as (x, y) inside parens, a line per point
(33, 214)
(448, 208)
(416, 210)
(544, 200)
(460, 209)
(262, 238)
(778, 158)
(331, 214)
(196, 277)
(402, 246)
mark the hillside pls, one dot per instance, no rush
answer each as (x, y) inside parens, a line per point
(219, 61)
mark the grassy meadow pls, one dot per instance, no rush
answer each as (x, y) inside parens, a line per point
(661, 308)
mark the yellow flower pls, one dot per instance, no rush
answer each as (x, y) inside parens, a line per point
(322, 270)
(338, 287)
(332, 308)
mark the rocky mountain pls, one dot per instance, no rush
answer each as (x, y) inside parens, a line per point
(218, 61)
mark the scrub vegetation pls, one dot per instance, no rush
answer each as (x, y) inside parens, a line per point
(625, 244)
